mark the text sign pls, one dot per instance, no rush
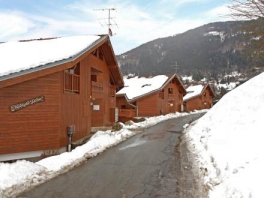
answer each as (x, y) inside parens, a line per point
(30, 102)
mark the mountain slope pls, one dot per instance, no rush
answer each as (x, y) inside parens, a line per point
(209, 50)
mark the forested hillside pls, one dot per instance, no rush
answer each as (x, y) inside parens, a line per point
(207, 51)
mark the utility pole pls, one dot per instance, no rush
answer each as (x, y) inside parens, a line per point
(175, 67)
(109, 20)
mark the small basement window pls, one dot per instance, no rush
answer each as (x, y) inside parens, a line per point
(72, 79)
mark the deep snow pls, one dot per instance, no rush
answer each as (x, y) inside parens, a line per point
(35, 53)
(228, 143)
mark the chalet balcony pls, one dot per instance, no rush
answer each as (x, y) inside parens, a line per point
(128, 113)
(97, 89)
(112, 91)
(72, 82)
(171, 97)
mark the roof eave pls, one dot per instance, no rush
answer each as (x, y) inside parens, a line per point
(53, 64)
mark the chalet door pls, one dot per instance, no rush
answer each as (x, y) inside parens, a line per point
(97, 98)
(171, 106)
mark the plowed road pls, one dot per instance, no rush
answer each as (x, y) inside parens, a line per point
(146, 165)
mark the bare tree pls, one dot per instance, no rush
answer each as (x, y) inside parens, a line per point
(247, 9)
(252, 10)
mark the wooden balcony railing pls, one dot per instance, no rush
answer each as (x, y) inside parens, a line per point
(128, 113)
(71, 82)
(171, 97)
(97, 89)
(112, 91)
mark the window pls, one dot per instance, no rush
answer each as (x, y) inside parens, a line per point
(94, 78)
(170, 90)
(161, 94)
(72, 79)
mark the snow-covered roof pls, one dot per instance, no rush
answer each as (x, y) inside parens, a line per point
(137, 87)
(193, 91)
(17, 56)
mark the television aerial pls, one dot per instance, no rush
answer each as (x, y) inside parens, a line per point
(109, 21)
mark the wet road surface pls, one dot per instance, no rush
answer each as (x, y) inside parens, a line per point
(146, 165)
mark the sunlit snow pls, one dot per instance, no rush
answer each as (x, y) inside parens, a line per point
(228, 143)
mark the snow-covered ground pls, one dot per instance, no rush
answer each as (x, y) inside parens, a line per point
(228, 143)
(228, 86)
(22, 175)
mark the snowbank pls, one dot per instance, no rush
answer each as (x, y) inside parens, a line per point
(228, 142)
(22, 175)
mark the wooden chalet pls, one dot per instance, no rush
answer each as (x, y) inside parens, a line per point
(198, 97)
(145, 97)
(49, 86)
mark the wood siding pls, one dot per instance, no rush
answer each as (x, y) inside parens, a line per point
(148, 106)
(203, 101)
(43, 126)
(34, 127)
(171, 102)
(160, 102)
(106, 101)
(75, 107)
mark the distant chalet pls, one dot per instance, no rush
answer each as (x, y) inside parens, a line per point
(145, 97)
(50, 85)
(198, 97)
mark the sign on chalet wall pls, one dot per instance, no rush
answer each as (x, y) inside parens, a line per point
(30, 102)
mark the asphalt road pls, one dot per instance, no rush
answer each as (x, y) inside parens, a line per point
(146, 165)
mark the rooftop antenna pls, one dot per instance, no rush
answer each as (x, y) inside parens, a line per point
(175, 67)
(109, 21)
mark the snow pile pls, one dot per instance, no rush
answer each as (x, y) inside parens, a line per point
(19, 176)
(228, 142)
(193, 91)
(20, 170)
(135, 87)
(97, 144)
(32, 54)
(151, 121)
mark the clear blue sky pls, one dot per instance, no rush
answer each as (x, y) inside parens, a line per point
(139, 21)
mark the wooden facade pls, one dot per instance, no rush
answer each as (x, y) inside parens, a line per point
(204, 100)
(37, 107)
(167, 99)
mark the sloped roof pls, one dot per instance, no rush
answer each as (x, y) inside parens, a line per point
(16, 56)
(22, 57)
(194, 91)
(136, 87)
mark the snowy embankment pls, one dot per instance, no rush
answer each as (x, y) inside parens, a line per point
(228, 143)
(22, 175)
